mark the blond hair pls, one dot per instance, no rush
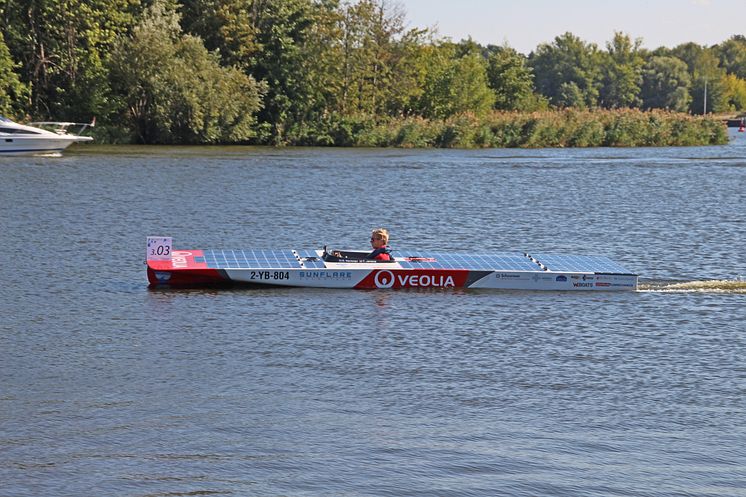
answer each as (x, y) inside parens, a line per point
(381, 233)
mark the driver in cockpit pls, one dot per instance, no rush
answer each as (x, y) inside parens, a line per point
(379, 240)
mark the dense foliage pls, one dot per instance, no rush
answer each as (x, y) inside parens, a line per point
(174, 90)
(325, 72)
(550, 128)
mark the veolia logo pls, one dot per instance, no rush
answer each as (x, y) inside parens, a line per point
(384, 279)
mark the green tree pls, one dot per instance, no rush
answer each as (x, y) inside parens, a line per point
(735, 91)
(63, 46)
(706, 72)
(225, 26)
(282, 28)
(732, 55)
(665, 84)
(565, 67)
(690, 53)
(376, 50)
(172, 90)
(293, 46)
(320, 64)
(455, 84)
(409, 72)
(621, 73)
(510, 78)
(13, 93)
(570, 95)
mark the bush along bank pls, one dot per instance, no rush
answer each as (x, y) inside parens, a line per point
(561, 128)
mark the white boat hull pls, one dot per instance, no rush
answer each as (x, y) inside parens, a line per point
(304, 268)
(34, 146)
(27, 139)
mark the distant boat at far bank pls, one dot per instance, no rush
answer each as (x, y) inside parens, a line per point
(40, 138)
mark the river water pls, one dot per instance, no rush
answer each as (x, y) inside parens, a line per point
(108, 388)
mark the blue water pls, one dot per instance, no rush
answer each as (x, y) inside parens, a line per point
(107, 388)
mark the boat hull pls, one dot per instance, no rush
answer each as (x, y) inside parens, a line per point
(33, 146)
(194, 268)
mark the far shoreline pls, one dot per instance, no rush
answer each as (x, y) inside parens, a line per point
(566, 128)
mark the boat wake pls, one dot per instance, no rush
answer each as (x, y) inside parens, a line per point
(698, 286)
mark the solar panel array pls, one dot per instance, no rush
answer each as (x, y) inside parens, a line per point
(249, 259)
(580, 263)
(290, 259)
(491, 262)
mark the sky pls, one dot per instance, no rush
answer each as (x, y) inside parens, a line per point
(524, 24)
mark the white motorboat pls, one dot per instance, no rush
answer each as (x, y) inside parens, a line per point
(50, 137)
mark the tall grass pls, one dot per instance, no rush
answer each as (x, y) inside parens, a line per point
(561, 128)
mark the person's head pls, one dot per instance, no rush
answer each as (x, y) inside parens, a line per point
(379, 237)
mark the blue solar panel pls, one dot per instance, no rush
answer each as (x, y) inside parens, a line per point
(580, 263)
(310, 259)
(514, 261)
(444, 260)
(249, 259)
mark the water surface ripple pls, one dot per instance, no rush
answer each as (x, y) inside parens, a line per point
(110, 389)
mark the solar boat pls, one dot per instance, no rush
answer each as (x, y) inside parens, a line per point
(323, 268)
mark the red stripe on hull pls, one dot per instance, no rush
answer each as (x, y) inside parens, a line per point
(186, 277)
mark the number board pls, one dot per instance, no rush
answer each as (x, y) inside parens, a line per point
(159, 248)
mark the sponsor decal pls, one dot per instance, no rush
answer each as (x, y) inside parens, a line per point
(599, 283)
(536, 278)
(325, 275)
(162, 275)
(582, 285)
(587, 277)
(425, 280)
(613, 277)
(561, 278)
(507, 275)
(179, 259)
(410, 279)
